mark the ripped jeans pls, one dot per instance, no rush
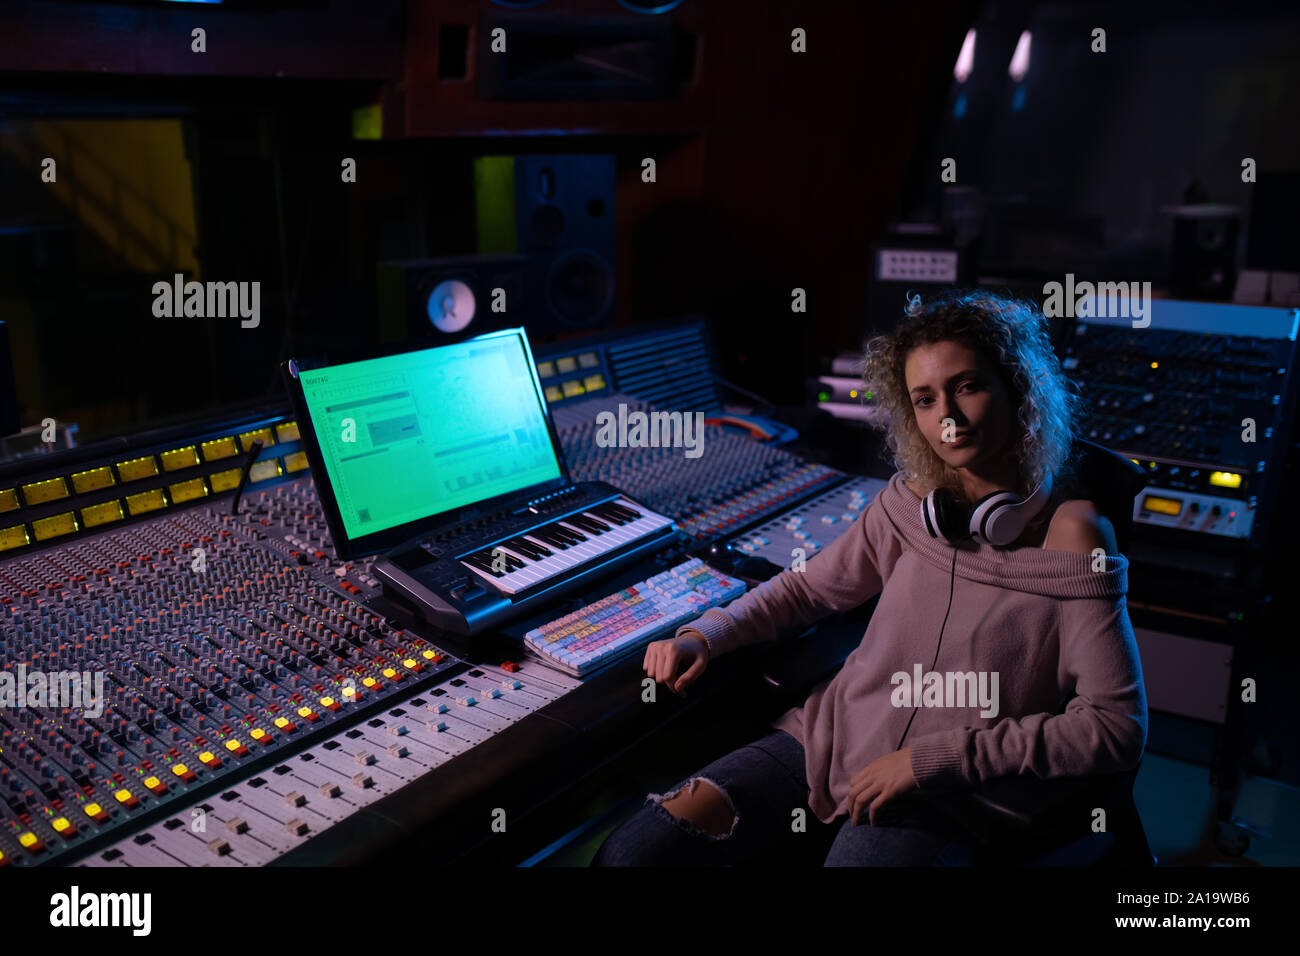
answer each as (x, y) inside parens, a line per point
(764, 783)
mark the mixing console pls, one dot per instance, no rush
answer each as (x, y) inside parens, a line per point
(1176, 394)
(735, 482)
(217, 640)
(288, 520)
(810, 527)
(268, 813)
(1199, 400)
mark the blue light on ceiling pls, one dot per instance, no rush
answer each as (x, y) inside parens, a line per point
(658, 8)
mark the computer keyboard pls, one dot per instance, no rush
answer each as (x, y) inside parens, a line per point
(615, 626)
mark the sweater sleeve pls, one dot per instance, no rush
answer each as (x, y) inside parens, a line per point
(839, 578)
(1103, 728)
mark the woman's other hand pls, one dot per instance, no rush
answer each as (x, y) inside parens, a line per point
(664, 658)
(879, 782)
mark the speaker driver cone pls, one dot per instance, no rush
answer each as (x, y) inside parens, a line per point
(450, 306)
(579, 287)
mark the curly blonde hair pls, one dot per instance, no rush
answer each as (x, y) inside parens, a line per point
(1011, 334)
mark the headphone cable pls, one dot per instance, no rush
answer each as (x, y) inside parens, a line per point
(952, 584)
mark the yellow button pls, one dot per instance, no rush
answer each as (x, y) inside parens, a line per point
(369, 681)
(304, 711)
(123, 795)
(349, 692)
(207, 757)
(430, 655)
(408, 662)
(282, 722)
(233, 744)
(60, 824)
(257, 733)
(326, 701)
(29, 840)
(93, 809)
(180, 769)
(151, 782)
(389, 673)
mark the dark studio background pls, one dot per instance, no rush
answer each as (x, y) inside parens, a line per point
(774, 171)
(768, 178)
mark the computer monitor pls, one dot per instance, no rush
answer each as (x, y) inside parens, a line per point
(406, 440)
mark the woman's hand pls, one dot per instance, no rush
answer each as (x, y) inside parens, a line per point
(663, 658)
(879, 782)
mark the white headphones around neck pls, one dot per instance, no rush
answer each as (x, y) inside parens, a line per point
(999, 518)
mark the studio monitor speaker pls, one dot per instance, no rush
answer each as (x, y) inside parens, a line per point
(564, 213)
(1204, 254)
(456, 297)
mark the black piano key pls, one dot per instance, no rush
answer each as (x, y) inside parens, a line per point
(579, 524)
(545, 534)
(485, 566)
(618, 511)
(590, 525)
(572, 522)
(511, 562)
(563, 534)
(609, 515)
(488, 557)
(527, 549)
(541, 550)
(573, 533)
(515, 550)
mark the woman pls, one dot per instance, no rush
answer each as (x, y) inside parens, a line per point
(973, 647)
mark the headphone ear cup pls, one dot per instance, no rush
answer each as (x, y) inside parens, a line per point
(1001, 517)
(951, 515)
(993, 513)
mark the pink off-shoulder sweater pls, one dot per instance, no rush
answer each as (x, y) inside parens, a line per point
(1070, 697)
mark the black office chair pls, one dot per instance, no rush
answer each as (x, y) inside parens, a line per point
(1019, 821)
(1035, 822)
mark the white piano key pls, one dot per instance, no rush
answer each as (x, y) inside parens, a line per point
(561, 560)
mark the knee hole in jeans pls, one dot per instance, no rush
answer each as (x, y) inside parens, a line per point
(703, 805)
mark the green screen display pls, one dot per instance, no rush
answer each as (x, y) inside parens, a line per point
(413, 435)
